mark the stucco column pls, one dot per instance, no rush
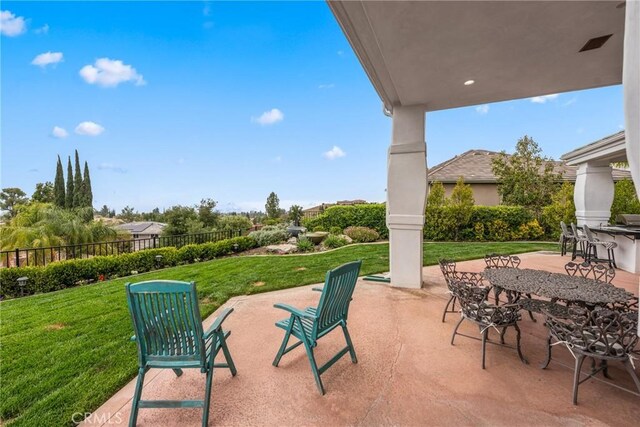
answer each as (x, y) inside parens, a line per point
(406, 196)
(593, 194)
(631, 87)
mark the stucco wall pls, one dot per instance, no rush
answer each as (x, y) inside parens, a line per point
(484, 194)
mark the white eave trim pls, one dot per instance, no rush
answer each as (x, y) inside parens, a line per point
(605, 149)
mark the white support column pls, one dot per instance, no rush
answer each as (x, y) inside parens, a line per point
(593, 194)
(631, 87)
(406, 196)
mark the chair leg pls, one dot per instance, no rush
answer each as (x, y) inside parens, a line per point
(207, 393)
(632, 372)
(446, 307)
(136, 398)
(352, 351)
(314, 366)
(502, 332)
(612, 258)
(574, 250)
(605, 369)
(455, 330)
(484, 345)
(522, 358)
(548, 360)
(227, 355)
(177, 371)
(533, 319)
(283, 346)
(576, 377)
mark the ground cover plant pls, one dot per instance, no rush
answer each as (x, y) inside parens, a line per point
(68, 351)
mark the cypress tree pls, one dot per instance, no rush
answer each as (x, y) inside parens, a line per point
(86, 184)
(68, 199)
(58, 186)
(78, 188)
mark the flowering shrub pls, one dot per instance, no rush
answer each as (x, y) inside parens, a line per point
(362, 234)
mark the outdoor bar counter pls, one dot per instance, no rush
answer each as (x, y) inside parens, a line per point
(628, 240)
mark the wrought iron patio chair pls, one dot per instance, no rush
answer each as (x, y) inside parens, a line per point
(169, 334)
(566, 238)
(602, 334)
(476, 309)
(448, 268)
(594, 243)
(312, 323)
(580, 241)
(597, 272)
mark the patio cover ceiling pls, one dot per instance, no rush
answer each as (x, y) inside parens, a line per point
(422, 53)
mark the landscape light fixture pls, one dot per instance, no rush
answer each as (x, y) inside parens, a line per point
(469, 82)
(158, 260)
(22, 281)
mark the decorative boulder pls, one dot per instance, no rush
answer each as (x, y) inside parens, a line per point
(284, 248)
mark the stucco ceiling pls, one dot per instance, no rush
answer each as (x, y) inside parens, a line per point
(421, 53)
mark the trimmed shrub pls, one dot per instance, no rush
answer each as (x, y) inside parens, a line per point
(305, 245)
(333, 242)
(372, 215)
(335, 231)
(362, 234)
(269, 235)
(65, 274)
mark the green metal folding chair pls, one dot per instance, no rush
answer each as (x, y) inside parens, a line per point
(169, 334)
(313, 323)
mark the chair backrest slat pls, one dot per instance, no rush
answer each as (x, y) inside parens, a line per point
(597, 272)
(502, 261)
(565, 230)
(166, 320)
(336, 295)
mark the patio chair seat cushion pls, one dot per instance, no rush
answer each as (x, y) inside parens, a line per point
(605, 244)
(307, 324)
(593, 342)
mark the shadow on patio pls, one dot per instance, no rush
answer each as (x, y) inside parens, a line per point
(407, 372)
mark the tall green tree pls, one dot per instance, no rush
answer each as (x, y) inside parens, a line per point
(181, 220)
(10, 198)
(78, 187)
(58, 186)
(526, 178)
(44, 193)
(436, 194)
(272, 207)
(127, 214)
(68, 197)
(207, 213)
(87, 192)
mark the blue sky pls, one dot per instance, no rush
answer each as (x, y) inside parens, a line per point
(174, 102)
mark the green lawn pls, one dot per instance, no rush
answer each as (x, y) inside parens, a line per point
(69, 351)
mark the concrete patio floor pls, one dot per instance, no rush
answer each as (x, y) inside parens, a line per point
(407, 371)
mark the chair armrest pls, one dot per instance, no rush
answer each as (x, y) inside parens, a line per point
(317, 289)
(217, 324)
(294, 311)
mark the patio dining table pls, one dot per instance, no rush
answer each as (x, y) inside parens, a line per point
(554, 286)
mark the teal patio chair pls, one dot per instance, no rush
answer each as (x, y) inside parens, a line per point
(169, 335)
(313, 323)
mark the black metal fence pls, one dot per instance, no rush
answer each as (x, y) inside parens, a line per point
(44, 256)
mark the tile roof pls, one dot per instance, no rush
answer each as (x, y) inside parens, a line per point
(140, 226)
(475, 167)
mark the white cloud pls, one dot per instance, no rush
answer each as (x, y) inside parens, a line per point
(334, 153)
(47, 58)
(11, 25)
(277, 159)
(42, 30)
(111, 167)
(59, 132)
(269, 117)
(89, 129)
(482, 109)
(327, 86)
(110, 73)
(570, 102)
(543, 99)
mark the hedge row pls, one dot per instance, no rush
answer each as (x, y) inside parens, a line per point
(65, 274)
(371, 215)
(442, 223)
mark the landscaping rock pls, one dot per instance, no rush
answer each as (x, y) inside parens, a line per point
(293, 241)
(347, 238)
(284, 248)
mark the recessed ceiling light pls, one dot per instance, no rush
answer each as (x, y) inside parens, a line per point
(469, 82)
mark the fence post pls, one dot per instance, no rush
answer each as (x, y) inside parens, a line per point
(155, 238)
(17, 257)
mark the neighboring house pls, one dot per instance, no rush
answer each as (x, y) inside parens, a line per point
(317, 210)
(474, 166)
(143, 229)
